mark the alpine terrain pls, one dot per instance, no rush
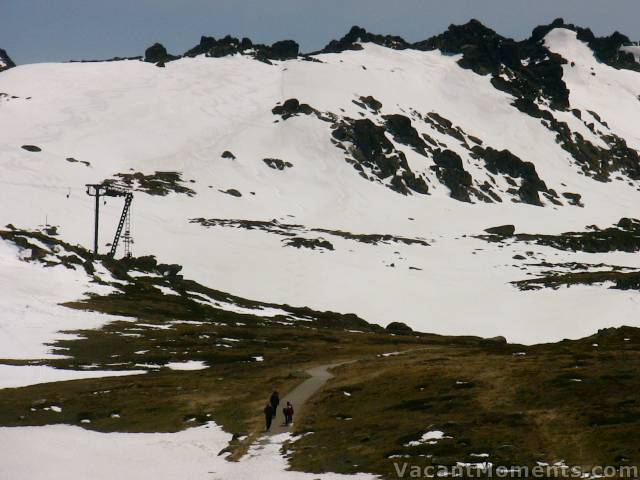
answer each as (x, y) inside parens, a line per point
(432, 247)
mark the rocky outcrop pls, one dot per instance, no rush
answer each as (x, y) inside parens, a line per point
(5, 61)
(449, 170)
(357, 35)
(502, 230)
(211, 47)
(368, 102)
(524, 69)
(310, 243)
(292, 107)
(622, 237)
(507, 164)
(372, 153)
(605, 49)
(403, 132)
(276, 163)
(157, 54)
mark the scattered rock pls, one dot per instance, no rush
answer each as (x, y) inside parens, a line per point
(277, 164)
(73, 160)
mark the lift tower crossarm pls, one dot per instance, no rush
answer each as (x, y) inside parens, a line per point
(102, 190)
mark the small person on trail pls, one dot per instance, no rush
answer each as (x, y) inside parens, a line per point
(275, 401)
(269, 413)
(288, 414)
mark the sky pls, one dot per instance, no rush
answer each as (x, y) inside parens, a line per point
(60, 30)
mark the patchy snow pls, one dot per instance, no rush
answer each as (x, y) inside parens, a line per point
(430, 437)
(14, 376)
(29, 296)
(71, 453)
(189, 365)
(88, 111)
(166, 290)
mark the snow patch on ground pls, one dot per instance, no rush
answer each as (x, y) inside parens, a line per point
(71, 453)
(14, 376)
(189, 365)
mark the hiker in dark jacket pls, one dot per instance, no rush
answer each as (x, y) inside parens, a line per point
(275, 401)
(288, 413)
(269, 413)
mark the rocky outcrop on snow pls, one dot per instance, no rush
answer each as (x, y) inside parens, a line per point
(158, 54)
(212, 47)
(357, 35)
(5, 61)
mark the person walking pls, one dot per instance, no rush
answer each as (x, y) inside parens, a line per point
(275, 401)
(288, 414)
(269, 413)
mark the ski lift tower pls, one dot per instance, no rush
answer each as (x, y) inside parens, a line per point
(103, 190)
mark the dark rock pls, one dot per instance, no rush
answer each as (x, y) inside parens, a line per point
(359, 35)
(502, 230)
(228, 154)
(5, 61)
(629, 224)
(506, 163)
(373, 152)
(284, 50)
(499, 340)
(292, 107)
(371, 103)
(448, 159)
(157, 54)
(485, 52)
(311, 243)
(31, 148)
(232, 191)
(277, 164)
(209, 46)
(403, 132)
(399, 328)
(573, 198)
(605, 49)
(450, 171)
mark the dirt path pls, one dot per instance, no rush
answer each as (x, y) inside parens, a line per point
(299, 395)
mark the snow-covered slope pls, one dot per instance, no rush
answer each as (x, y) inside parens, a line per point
(422, 161)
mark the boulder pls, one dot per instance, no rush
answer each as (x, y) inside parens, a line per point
(399, 328)
(157, 54)
(31, 148)
(284, 50)
(502, 230)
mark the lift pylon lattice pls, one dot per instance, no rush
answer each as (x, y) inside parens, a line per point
(102, 190)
